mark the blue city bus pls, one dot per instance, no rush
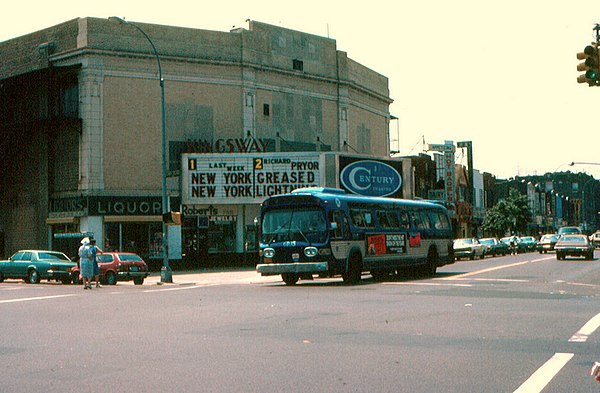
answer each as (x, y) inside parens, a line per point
(327, 232)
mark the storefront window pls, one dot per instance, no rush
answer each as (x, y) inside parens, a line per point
(221, 236)
(144, 239)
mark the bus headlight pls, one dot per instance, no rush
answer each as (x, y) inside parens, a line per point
(268, 253)
(311, 251)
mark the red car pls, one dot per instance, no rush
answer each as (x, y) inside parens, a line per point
(118, 266)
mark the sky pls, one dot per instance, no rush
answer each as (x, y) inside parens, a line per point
(501, 74)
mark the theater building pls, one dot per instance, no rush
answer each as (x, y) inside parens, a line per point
(81, 123)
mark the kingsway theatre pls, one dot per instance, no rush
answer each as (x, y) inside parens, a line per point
(221, 193)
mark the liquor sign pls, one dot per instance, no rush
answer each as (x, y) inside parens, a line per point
(241, 178)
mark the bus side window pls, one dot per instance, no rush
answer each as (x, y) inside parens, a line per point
(341, 225)
(387, 219)
(438, 220)
(421, 220)
(404, 220)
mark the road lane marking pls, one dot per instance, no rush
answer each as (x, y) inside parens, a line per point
(476, 272)
(29, 299)
(590, 327)
(544, 374)
(182, 288)
(427, 283)
(491, 269)
(494, 279)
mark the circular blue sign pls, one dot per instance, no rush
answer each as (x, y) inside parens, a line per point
(371, 178)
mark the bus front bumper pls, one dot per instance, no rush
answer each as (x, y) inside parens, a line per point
(268, 269)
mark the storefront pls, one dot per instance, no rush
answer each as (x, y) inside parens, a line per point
(119, 223)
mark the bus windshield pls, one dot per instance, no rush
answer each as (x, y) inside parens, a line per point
(303, 225)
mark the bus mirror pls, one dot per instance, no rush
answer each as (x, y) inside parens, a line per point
(334, 225)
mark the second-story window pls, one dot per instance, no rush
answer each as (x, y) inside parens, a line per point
(298, 65)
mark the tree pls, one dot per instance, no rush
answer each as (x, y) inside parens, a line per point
(508, 215)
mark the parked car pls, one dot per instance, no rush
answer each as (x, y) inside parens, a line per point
(574, 245)
(118, 266)
(527, 244)
(494, 246)
(569, 231)
(547, 243)
(595, 239)
(468, 248)
(35, 265)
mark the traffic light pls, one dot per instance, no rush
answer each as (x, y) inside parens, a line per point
(591, 65)
(172, 218)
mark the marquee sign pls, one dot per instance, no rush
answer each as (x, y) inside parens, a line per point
(246, 178)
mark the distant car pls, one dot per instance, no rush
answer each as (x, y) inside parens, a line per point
(574, 245)
(569, 231)
(527, 244)
(118, 266)
(494, 246)
(35, 265)
(468, 248)
(547, 242)
(595, 239)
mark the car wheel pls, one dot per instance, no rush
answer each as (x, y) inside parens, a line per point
(290, 278)
(111, 278)
(66, 280)
(138, 280)
(1, 277)
(75, 278)
(33, 277)
(559, 256)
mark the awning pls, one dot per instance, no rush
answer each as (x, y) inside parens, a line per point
(132, 218)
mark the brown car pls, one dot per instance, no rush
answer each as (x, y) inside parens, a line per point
(118, 266)
(574, 245)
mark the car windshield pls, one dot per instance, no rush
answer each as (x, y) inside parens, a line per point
(569, 230)
(527, 239)
(57, 256)
(130, 258)
(305, 225)
(549, 238)
(463, 242)
(573, 239)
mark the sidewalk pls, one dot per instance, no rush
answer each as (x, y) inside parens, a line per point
(246, 275)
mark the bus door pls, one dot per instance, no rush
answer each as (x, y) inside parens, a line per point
(339, 234)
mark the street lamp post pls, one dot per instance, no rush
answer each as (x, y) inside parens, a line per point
(165, 273)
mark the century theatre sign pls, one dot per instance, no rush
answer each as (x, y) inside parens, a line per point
(246, 178)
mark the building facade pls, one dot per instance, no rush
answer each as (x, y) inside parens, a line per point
(80, 119)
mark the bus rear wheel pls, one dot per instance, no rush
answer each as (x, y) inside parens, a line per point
(290, 278)
(432, 260)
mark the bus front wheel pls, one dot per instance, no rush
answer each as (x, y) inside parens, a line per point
(354, 271)
(290, 278)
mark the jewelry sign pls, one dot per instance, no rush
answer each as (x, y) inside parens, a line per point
(246, 178)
